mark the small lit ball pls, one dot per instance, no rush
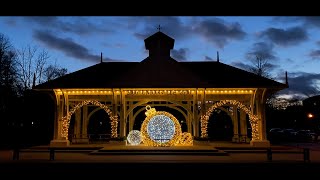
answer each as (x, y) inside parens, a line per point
(134, 137)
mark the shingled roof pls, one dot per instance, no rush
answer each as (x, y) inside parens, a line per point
(159, 70)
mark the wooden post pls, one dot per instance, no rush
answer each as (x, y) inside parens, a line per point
(269, 154)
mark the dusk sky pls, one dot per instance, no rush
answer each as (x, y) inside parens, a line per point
(291, 43)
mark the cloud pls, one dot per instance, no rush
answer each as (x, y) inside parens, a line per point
(207, 58)
(315, 54)
(309, 21)
(264, 64)
(77, 25)
(10, 21)
(318, 43)
(262, 49)
(219, 32)
(287, 19)
(286, 37)
(180, 54)
(248, 67)
(302, 83)
(289, 60)
(172, 26)
(66, 46)
(117, 45)
(214, 30)
(241, 65)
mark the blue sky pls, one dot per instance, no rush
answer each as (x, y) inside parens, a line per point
(291, 43)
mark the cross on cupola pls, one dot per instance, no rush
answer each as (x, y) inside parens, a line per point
(159, 28)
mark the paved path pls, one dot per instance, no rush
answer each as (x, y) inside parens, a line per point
(236, 165)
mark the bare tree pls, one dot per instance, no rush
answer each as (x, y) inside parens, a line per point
(31, 63)
(7, 63)
(260, 64)
(53, 71)
(260, 57)
(8, 80)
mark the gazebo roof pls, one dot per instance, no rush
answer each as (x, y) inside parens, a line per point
(159, 70)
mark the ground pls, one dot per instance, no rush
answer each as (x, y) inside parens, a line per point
(236, 164)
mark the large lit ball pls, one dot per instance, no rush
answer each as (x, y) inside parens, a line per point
(161, 128)
(134, 137)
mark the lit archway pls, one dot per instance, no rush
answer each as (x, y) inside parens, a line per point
(253, 119)
(66, 119)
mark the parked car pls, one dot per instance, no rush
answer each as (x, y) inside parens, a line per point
(275, 135)
(306, 135)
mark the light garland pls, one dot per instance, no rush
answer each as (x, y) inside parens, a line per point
(160, 128)
(185, 139)
(184, 92)
(253, 119)
(134, 137)
(66, 119)
(156, 123)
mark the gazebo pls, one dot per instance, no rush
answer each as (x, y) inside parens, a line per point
(194, 88)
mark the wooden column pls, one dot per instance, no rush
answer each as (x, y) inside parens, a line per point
(60, 112)
(235, 121)
(77, 124)
(122, 114)
(131, 120)
(85, 122)
(195, 115)
(243, 127)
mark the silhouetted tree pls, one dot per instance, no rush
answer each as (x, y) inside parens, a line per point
(260, 64)
(8, 88)
(53, 71)
(8, 77)
(31, 63)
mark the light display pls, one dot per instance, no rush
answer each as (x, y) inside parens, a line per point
(185, 139)
(158, 91)
(134, 137)
(253, 119)
(160, 128)
(66, 119)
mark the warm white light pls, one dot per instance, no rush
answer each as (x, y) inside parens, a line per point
(253, 119)
(310, 115)
(160, 128)
(134, 137)
(66, 119)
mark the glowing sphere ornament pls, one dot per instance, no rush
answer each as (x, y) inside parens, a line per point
(134, 137)
(160, 128)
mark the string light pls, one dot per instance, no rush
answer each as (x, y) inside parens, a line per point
(66, 119)
(160, 128)
(253, 119)
(185, 139)
(134, 137)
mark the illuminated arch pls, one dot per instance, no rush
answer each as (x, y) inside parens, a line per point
(253, 119)
(66, 119)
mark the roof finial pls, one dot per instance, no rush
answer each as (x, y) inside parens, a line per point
(217, 56)
(101, 58)
(159, 28)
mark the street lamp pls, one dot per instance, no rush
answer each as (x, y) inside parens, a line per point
(310, 115)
